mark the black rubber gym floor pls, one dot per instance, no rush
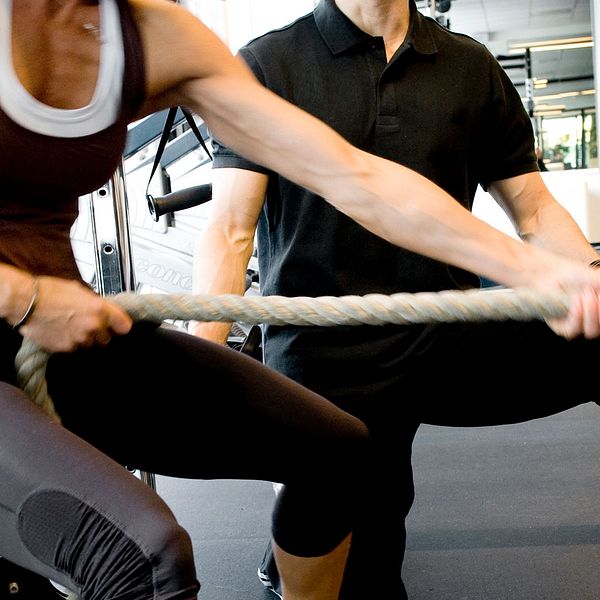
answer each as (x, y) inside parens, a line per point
(501, 513)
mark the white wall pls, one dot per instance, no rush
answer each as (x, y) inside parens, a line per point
(237, 21)
(578, 190)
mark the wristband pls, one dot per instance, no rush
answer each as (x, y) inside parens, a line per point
(595, 264)
(32, 303)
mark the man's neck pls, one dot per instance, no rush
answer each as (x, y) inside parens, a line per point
(388, 19)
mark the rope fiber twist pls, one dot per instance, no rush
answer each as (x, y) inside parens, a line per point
(497, 304)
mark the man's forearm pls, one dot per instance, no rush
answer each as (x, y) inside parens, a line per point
(555, 229)
(218, 269)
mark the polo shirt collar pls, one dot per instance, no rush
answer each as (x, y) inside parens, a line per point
(340, 33)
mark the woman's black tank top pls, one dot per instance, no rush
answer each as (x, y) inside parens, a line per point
(42, 177)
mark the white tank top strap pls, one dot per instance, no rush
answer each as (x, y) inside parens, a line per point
(103, 109)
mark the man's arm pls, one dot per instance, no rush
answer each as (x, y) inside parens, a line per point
(539, 218)
(224, 249)
(188, 65)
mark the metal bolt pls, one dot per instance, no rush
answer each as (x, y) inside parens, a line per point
(13, 587)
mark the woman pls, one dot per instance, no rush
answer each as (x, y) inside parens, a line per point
(134, 393)
(73, 74)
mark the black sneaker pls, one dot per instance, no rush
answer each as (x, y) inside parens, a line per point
(264, 579)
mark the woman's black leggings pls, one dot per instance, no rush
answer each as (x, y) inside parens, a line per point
(163, 401)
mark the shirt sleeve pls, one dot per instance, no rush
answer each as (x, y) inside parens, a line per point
(225, 157)
(509, 135)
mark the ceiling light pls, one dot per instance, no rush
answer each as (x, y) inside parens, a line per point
(558, 96)
(557, 44)
(547, 113)
(539, 107)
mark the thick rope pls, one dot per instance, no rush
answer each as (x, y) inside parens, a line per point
(325, 311)
(30, 363)
(372, 309)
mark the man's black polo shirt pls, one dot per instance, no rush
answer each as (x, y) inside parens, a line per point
(442, 106)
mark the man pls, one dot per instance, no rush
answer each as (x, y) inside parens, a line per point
(396, 84)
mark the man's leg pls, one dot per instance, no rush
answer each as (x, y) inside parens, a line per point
(477, 365)
(268, 573)
(378, 543)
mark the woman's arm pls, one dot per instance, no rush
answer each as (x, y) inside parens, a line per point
(188, 65)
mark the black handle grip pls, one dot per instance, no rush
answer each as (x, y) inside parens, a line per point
(179, 200)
